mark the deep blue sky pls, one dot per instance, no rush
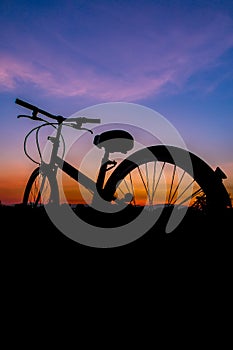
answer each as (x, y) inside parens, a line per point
(173, 56)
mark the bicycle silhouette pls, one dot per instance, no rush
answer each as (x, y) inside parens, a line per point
(151, 176)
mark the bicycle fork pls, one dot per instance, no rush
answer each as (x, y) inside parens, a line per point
(50, 170)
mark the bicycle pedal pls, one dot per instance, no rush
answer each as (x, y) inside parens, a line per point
(128, 198)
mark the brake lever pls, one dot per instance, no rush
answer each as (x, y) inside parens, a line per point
(23, 116)
(86, 130)
(29, 117)
(75, 126)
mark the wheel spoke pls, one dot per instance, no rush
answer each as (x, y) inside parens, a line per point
(40, 190)
(171, 186)
(122, 190)
(178, 185)
(128, 189)
(132, 186)
(35, 193)
(187, 187)
(158, 179)
(143, 181)
(157, 183)
(153, 182)
(191, 196)
(148, 185)
(119, 188)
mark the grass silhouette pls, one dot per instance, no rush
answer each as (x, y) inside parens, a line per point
(32, 225)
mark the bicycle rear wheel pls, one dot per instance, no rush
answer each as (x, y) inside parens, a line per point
(40, 190)
(168, 176)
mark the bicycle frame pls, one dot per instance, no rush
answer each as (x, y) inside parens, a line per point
(209, 181)
(50, 170)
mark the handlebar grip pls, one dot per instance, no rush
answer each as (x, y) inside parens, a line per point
(91, 120)
(25, 104)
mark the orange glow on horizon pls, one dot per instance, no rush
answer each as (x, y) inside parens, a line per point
(13, 180)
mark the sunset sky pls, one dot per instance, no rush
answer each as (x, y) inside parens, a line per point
(175, 57)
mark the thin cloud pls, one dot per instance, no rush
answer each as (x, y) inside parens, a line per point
(132, 67)
(69, 84)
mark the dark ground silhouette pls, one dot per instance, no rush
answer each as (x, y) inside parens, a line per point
(28, 226)
(34, 251)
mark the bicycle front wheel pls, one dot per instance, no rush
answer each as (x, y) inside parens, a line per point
(40, 190)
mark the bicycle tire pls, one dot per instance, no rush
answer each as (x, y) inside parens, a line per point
(216, 196)
(35, 195)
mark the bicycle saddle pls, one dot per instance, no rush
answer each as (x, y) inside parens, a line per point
(114, 141)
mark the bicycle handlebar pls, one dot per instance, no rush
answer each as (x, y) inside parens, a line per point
(25, 104)
(59, 118)
(37, 110)
(91, 120)
(84, 120)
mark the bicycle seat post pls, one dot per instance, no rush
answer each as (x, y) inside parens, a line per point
(102, 172)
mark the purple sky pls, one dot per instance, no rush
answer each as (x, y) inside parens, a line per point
(131, 50)
(173, 56)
